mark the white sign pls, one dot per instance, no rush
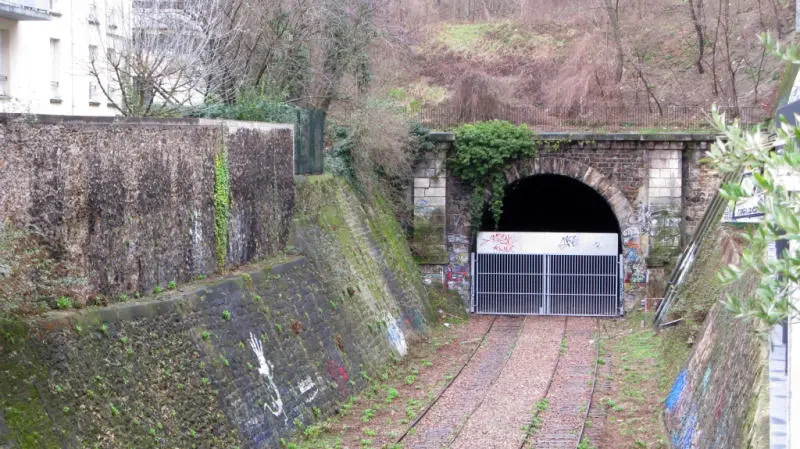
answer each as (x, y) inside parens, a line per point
(746, 210)
(564, 243)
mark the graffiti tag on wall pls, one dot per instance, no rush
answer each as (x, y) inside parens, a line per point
(395, 335)
(265, 367)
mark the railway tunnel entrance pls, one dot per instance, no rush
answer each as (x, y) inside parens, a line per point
(555, 251)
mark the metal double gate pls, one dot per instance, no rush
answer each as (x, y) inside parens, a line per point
(518, 283)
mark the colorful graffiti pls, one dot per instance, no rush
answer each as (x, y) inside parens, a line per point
(456, 276)
(677, 390)
(395, 335)
(684, 438)
(635, 266)
(432, 279)
(338, 375)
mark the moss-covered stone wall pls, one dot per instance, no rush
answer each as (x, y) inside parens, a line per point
(239, 362)
(130, 206)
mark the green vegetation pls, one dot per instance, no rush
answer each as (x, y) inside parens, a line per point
(64, 303)
(32, 281)
(391, 394)
(222, 199)
(771, 302)
(641, 378)
(488, 40)
(226, 315)
(482, 151)
(172, 285)
(368, 414)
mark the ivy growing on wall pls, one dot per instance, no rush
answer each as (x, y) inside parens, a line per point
(482, 150)
(222, 199)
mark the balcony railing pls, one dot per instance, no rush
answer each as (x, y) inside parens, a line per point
(25, 9)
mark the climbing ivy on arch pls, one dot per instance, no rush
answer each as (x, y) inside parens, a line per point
(482, 150)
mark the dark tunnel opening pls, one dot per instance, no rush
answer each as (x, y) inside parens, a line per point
(553, 203)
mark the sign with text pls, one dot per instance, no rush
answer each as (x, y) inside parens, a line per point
(746, 210)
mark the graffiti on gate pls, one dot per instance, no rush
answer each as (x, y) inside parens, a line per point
(500, 242)
(568, 241)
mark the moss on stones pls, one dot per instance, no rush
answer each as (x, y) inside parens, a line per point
(222, 200)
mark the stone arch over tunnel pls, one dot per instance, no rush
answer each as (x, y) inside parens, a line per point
(578, 171)
(553, 203)
(633, 241)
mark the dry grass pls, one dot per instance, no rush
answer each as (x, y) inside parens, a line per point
(560, 53)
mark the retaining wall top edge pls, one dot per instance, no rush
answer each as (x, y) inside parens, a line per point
(45, 119)
(661, 137)
(164, 301)
(439, 136)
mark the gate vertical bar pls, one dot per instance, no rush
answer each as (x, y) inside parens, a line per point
(473, 284)
(546, 302)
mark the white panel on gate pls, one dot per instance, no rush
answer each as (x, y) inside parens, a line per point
(562, 243)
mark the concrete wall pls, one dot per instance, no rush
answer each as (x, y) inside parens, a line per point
(124, 206)
(238, 362)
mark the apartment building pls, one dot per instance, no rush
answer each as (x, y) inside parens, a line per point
(46, 51)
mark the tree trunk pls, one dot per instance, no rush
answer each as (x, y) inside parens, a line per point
(613, 16)
(728, 56)
(714, 85)
(698, 28)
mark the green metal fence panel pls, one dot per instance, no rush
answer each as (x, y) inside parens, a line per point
(308, 139)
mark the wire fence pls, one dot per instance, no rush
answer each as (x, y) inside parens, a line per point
(598, 117)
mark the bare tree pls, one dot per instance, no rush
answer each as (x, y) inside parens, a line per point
(696, 10)
(612, 8)
(637, 64)
(165, 58)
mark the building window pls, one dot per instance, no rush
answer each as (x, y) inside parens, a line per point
(92, 91)
(93, 13)
(4, 63)
(93, 54)
(55, 68)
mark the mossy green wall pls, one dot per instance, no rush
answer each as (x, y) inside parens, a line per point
(226, 363)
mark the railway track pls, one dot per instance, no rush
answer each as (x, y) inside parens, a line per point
(558, 420)
(424, 413)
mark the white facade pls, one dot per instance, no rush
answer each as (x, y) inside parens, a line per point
(45, 51)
